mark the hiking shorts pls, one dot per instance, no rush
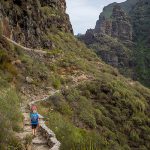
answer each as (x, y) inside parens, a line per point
(34, 126)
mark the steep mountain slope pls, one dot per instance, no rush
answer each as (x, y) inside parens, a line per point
(140, 16)
(140, 19)
(97, 108)
(10, 116)
(130, 28)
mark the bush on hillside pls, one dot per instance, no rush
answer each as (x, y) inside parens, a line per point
(118, 114)
(10, 118)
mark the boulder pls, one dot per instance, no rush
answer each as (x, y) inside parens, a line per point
(29, 80)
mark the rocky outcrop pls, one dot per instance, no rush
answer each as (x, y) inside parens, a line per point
(29, 22)
(127, 6)
(121, 38)
(118, 26)
(121, 26)
(108, 36)
(103, 26)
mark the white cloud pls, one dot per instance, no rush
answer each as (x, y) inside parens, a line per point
(84, 13)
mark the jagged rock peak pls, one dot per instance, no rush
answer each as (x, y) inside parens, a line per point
(118, 25)
(121, 26)
(29, 22)
(101, 38)
(119, 14)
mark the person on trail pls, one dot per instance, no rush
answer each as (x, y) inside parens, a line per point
(34, 119)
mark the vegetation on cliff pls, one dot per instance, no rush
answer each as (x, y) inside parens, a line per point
(104, 111)
(130, 26)
(140, 19)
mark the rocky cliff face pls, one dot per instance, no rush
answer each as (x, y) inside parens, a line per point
(121, 26)
(29, 21)
(118, 26)
(121, 38)
(108, 37)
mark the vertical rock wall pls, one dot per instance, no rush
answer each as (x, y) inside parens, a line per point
(29, 22)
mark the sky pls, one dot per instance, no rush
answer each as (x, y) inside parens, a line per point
(84, 13)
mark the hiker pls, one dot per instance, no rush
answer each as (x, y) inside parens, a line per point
(34, 119)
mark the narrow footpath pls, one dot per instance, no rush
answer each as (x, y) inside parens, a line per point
(45, 138)
(25, 48)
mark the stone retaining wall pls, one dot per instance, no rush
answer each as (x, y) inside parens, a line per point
(50, 136)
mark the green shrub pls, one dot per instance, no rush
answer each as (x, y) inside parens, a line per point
(64, 130)
(15, 144)
(56, 83)
(53, 67)
(108, 122)
(5, 63)
(116, 95)
(3, 57)
(10, 107)
(48, 11)
(28, 140)
(64, 108)
(26, 59)
(134, 136)
(88, 118)
(54, 52)
(10, 68)
(10, 118)
(98, 116)
(72, 95)
(70, 136)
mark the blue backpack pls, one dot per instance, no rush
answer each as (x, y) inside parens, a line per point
(34, 118)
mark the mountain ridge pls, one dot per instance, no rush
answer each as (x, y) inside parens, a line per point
(126, 6)
(128, 28)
